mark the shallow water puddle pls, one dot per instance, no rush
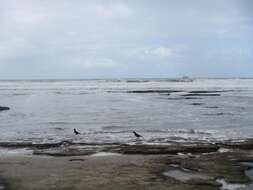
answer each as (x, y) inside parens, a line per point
(186, 175)
(20, 151)
(250, 174)
(230, 186)
(236, 186)
(105, 154)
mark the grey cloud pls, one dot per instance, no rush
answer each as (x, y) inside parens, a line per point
(128, 36)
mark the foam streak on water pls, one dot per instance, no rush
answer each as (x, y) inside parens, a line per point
(109, 110)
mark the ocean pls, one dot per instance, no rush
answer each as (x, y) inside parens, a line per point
(107, 111)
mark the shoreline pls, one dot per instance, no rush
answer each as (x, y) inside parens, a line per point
(187, 165)
(138, 146)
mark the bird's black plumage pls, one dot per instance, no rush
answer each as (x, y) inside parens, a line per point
(136, 134)
(76, 132)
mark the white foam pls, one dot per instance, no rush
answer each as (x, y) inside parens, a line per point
(223, 150)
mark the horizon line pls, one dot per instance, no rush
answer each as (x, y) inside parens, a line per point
(119, 78)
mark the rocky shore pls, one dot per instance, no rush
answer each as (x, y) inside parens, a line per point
(172, 165)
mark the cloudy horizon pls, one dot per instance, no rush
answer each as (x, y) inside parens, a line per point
(124, 39)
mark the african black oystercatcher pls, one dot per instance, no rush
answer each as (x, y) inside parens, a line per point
(76, 132)
(137, 135)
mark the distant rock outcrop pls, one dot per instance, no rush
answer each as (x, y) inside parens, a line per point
(2, 108)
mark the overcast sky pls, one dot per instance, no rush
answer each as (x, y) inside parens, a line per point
(125, 38)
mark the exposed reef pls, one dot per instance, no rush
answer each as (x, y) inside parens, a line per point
(183, 166)
(171, 165)
(167, 147)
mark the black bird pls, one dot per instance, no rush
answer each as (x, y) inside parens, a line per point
(76, 132)
(137, 135)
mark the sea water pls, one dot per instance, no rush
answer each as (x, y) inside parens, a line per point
(109, 110)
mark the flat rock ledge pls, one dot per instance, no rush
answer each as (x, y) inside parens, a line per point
(68, 148)
(188, 165)
(143, 149)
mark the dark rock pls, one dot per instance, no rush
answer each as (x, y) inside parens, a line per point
(154, 91)
(200, 94)
(51, 145)
(217, 114)
(4, 185)
(191, 98)
(206, 91)
(64, 152)
(184, 98)
(197, 104)
(247, 144)
(212, 107)
(166, 149)
(33, 145)
(2, 108)
(204, 182)
(77, 160)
